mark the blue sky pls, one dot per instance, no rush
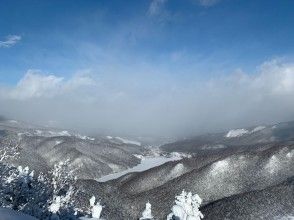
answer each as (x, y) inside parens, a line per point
(152, 62)
(61, 37)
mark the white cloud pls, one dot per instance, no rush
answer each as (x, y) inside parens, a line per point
(10, 41)
(34, 84)
(278, 76)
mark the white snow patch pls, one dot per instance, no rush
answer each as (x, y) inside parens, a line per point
(126, 141)
(236, 133)
(141, 157)
(290, 154)
(109, 137)
(58, 142)
(258, 128)
(146, 164)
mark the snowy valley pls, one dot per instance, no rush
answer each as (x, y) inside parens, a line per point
(58, 172)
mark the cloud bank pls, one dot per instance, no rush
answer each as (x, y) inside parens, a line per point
(153, 104)
(10, 41)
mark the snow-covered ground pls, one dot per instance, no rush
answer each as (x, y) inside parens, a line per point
(146, 163)
(9, 214)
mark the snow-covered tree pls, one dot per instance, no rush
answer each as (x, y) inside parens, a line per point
(62, 183)
(186, 207)
(95, 209)
(16, 186)
(146, 214)
(42, 196)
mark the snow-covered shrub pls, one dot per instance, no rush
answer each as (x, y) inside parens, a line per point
(186, 207)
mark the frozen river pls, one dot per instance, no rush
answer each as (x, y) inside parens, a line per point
(146, 163)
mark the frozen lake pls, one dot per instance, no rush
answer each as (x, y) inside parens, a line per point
(146, 163)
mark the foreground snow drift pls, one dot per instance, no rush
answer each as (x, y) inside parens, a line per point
(9, 214)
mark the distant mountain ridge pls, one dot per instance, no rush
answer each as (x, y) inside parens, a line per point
(236, 137)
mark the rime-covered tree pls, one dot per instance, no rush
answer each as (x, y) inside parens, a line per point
(186, 207)
(42, 196)
(95, 210)
(62, 185)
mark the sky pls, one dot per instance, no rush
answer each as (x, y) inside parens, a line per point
(147, 67)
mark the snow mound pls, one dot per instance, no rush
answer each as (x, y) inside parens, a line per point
(236, 133)
(9, 214)
(125, 141)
